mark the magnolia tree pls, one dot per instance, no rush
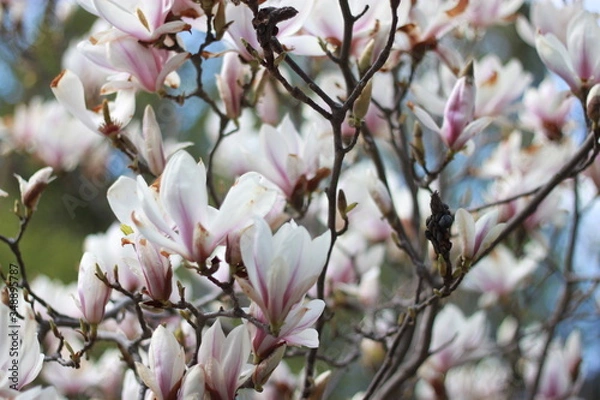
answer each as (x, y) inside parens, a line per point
(390, 205)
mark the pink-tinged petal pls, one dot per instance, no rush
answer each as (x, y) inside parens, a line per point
(192, 386)
(308, 338)
(224, 359)
(124, 19)
(470, 131)
(167, 74)
(69, 92)
(127, 54)
(183, 194)
(582, 42)
(166, 360)
(156, 268)
(32, 190)
(241, 28)
(153, 145)
(230, 84)
(147, 376)
(491, 235)
(123, 199)
(426, 119)
(459, 111)
(237, 350)
(276, 155)
(212, 342)
(151, 209)
(282, 279)
(31, 358)
(93, 293)
(171, 27)
(251, 195)
(555, 56)
(149, 231)
(301, 318)
(256, 246)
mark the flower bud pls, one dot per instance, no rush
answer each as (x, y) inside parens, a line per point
(265, 368)
(93, 293)
(362, 103)
(460, 109)
(157, 270)
(372, 353)
(416, 146)
(379, 193)
(153, 144)
(365, 60)
(592, 104)
(32, 190)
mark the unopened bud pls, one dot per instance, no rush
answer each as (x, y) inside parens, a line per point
(365, 60)
(220, 21)
(361, 105)
(592, 104)
(417, 147)
(372, 353)
(32, 190)
(265, 368)
(321, 382)
(379, 193)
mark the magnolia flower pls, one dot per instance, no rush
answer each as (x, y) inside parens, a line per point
(107, 120)
(498, 85)
(156, 269)
(475, 237)
(455, 339)
(547, 110)
(32, 190)
(64, 147)
(144, 20)
(326, 21)
(488, 379)
(166, 364)
(224, 360)
(104, 374)
(140, 67)
(93, 294)
(281, 267)
(561, 376)
(193, 384)
(230, 83)
(150, 145)
(484, 13)
(458, 125)
(178, 217)
(577, 60)
(498, 275)
(295, 331)
(20, 356)
(286, 158)
(111, 252)
(241, 29)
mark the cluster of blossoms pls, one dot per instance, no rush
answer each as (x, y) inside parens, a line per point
(368, 166)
